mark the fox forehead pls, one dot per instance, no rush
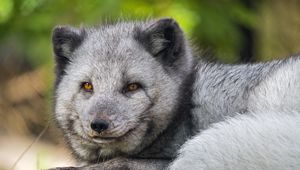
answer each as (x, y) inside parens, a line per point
(106, 57)
(124, 58)
(110, 51)
(111, 38)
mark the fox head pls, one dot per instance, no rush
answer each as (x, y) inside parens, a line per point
(117, 85)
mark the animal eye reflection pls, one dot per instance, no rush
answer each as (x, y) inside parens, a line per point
(87, 86)
(132, 87)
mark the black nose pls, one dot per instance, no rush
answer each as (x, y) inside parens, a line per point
(99, 125)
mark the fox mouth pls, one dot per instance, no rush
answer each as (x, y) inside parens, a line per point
(102, 138)
(98, 139)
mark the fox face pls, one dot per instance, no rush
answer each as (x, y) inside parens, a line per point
(117, 85)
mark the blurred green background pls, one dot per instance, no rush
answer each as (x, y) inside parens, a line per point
(233, 31)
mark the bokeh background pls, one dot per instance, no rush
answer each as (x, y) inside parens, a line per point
(233, 31)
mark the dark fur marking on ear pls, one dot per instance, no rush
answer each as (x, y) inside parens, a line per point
(65, 40)
(163, 39)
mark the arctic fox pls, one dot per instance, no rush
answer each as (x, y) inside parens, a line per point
(128, 96)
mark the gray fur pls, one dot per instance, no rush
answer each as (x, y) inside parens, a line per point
(223, 90)
(179, 96)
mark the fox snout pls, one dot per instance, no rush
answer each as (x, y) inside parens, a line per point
(99, 120)
(103, 122)
(99, 125)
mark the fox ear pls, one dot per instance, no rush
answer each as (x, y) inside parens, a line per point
(163, 39)
(65, 40)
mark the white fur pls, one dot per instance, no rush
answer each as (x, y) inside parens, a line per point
(263, 141)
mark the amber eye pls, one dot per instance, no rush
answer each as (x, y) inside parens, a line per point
(132, 87)
(87, 86)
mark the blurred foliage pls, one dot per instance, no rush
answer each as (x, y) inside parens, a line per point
(5, 10)
(25, 25)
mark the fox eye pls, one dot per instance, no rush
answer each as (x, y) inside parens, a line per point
(87, 86)
(132, 87)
